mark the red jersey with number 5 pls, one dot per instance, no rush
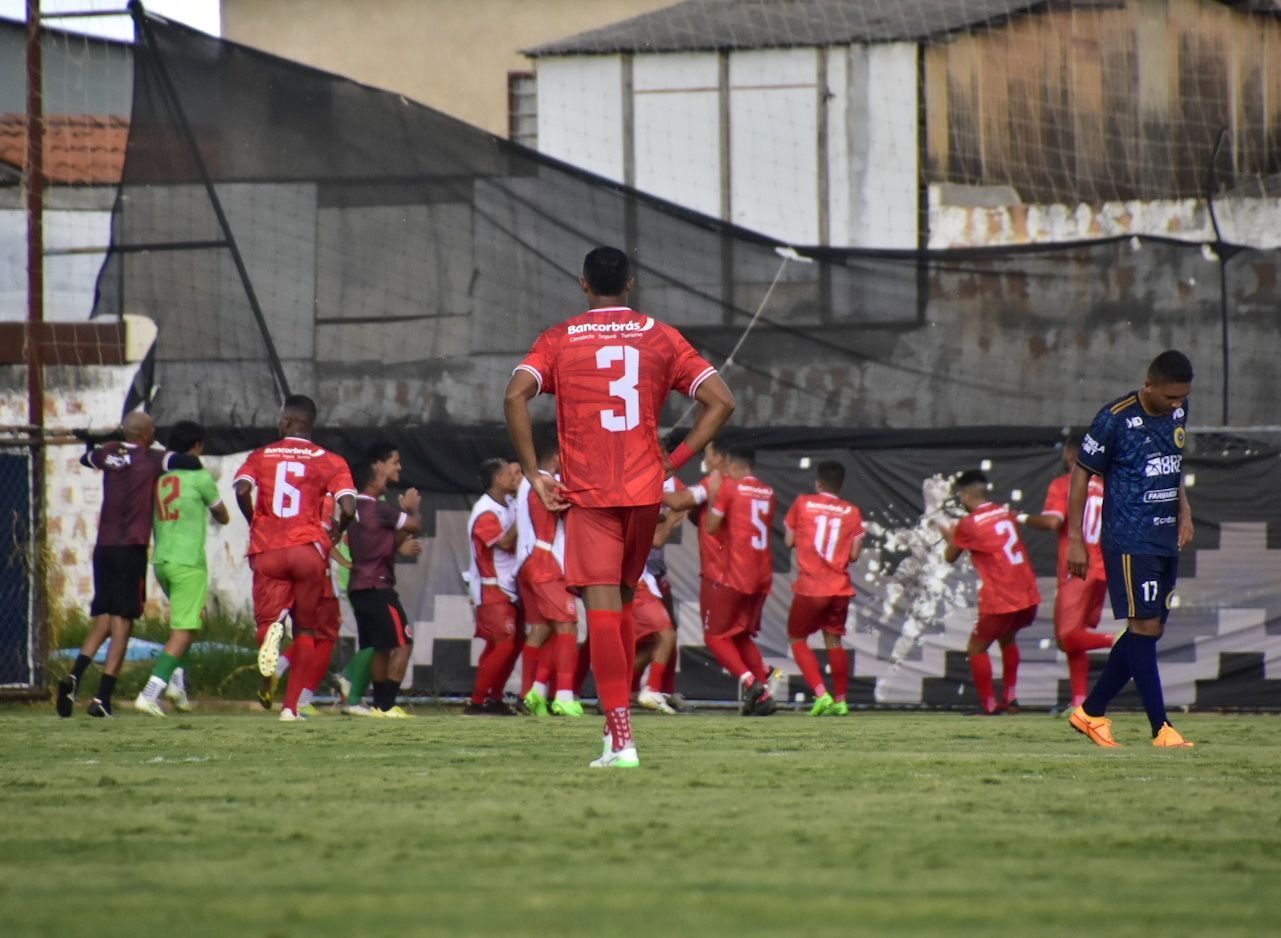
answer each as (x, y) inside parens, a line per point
(292, 477)
(826, 529)
(991, 534)
(611, 370)
(1056, 503)
(747, 505)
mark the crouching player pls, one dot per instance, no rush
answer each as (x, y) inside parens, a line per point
(827, 534)
(185, 498)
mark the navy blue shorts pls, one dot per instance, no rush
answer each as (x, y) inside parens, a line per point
(1141, 585)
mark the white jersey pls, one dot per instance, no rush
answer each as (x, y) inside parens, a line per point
(526, 541)
(505, 563)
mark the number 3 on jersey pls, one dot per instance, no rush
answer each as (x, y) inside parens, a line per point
(623, 388)
(286, 500)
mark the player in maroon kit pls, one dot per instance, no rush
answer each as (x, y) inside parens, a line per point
(289, 544)
(827, 534)
(1078, 601)
(1008, 597)
(611, 370)
(130, 470)
(744, 508)
(492, 531)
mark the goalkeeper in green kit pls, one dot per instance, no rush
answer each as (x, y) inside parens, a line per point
(184, 498)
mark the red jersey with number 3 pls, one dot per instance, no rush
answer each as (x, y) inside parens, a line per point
(292, 477)
(747, 505)
(1056, 503)
(826, 529)
(991, 534)
(611, 370)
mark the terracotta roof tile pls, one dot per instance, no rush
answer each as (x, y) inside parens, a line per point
(79, 149)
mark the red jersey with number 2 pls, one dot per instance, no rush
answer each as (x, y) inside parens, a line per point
(991, 534)
(1056, 503)
(748, 507)
(292, 477)
(826, 529)
(611, 370)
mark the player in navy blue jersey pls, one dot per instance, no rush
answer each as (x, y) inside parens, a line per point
(1136, 445)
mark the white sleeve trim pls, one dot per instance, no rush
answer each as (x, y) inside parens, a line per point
(858, 537)
(217, 504)
(1054, 514)
(707, 373)
(402, 520)
(340, 494)
(717, 512)
(533, 371)
(250, 479)
(699, 491)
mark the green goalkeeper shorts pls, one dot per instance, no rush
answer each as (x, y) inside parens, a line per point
(186, 588)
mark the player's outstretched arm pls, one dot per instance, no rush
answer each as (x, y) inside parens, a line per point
(717, 404)
(245, 500)
(1042, 522)
(521, 389)
(1078, 561)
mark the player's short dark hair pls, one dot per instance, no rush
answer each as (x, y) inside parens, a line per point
(381, 450)
(303, 406)
(831, 475)
(740, 452)
(606, 271)
(968, 478)
(362, 473)
(185, 435)
(490, 468)
(1170, 367)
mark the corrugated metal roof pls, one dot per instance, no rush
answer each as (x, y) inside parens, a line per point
(704, 25)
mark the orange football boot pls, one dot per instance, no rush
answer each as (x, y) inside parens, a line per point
(1169, 738)
(1097, 729)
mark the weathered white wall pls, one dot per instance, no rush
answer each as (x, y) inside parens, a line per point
(677, 128)
(580, 112)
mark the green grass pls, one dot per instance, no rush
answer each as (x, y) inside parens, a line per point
(876, 824)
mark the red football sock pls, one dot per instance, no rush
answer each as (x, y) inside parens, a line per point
(839, 660)
(669, 673)
(808, 663)
(484, 673)
(324, 650)
(636, 681)
(528, 667)
(565, 646)
(1079, 676)
(752, 655)
(304, 649)
(726, 653)
(657, 673)
(509, 653)
(618, 721)
(584, 663)
(610, 661)
(546, 660)
(981, 668)
(1010, 671)
(287, 654)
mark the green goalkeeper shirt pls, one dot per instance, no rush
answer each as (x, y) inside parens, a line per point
(181, 516)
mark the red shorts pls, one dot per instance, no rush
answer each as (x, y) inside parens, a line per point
(649, 614)
(608, 546)
(497, 622)
(994, 626)
(330, 619)
(810, 614)
(1078, 604)
(726, 611)
(289, 578)
(545, 603)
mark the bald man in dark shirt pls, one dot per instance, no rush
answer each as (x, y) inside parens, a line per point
(130, 470)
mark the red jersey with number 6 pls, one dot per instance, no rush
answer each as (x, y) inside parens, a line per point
(826, 530)
(991, 534)
(611, 370)
(1056, 503)
(292, 477)
(748, 507)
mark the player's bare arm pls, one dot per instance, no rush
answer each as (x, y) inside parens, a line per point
(789, 538)
(411, 504)
(245, 500)
(670, 522)
(717, 405)
(346, 515)
(1186, 529)
(218, 511)
(508, 540)
(1078, 560)
(857, 550)
(409, 547)
(521, 389)
(1041, 522)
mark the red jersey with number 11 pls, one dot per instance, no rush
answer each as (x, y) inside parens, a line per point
(826, 529)
(991, 534)
(611, 370)
(292, 477)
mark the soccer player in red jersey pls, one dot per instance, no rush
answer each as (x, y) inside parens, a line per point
(744, 509)
(492, 531)
(1008, 597)
(1078, 601)
(289, 544)
(827, 534)
(549, 608)
(611, 369)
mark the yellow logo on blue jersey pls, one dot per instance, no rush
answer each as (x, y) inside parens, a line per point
(1179, 437)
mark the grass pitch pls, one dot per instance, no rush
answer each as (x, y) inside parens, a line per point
(876, 824)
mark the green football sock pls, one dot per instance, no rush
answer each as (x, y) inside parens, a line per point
(358, 671)
(165, 666)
